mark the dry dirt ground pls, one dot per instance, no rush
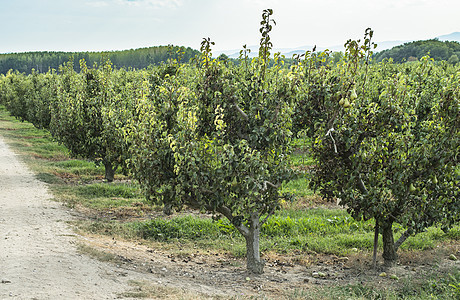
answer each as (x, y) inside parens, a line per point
(42, 258)
(38, 253)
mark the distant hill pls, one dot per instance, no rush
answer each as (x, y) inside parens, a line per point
(453, 37)
(443, 47)
(133, 58)
(438, 50)
(288, 52)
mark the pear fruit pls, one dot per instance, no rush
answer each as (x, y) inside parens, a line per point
(353, 95)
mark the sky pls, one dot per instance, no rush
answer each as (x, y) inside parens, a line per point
(104, 25)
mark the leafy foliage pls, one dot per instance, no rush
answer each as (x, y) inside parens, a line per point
(77, 115)
(139, 58)
(389, 150)
(448, 51)
(216, 139)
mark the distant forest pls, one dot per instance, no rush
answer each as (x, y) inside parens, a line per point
(143, 57)
(138, 58)
(448, 51)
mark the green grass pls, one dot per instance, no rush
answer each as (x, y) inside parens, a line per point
(300, 155)
(314, 231)
(78, 167)
(25, 138)
(102, 190)
(297, 187)
(102, 196)
(85, 171)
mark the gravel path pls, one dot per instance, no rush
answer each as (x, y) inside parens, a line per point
(38, 256)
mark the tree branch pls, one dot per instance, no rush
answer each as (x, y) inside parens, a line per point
(226, 212)
(362, 186)
(401, 240)
(266, 182)
(270, 213)
(277, 111)
(239, 110)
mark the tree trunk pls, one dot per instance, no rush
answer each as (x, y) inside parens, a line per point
(251, 233)
(389, 249)
(109, 171)
(254, 263)
(376, 243)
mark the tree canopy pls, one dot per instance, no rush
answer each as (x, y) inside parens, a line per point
(133, 58)
(437, 50)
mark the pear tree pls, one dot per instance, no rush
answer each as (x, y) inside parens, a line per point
(216, 139)
(392, 153)
(77, 114)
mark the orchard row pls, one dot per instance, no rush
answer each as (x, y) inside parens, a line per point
(217, 137)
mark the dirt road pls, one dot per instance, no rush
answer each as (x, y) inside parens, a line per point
(38, 256)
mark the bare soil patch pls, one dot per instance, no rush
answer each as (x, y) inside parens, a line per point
(211, 274)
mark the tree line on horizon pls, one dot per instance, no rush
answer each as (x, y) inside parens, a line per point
(42, 61)
(413, 51)
(141, 58)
